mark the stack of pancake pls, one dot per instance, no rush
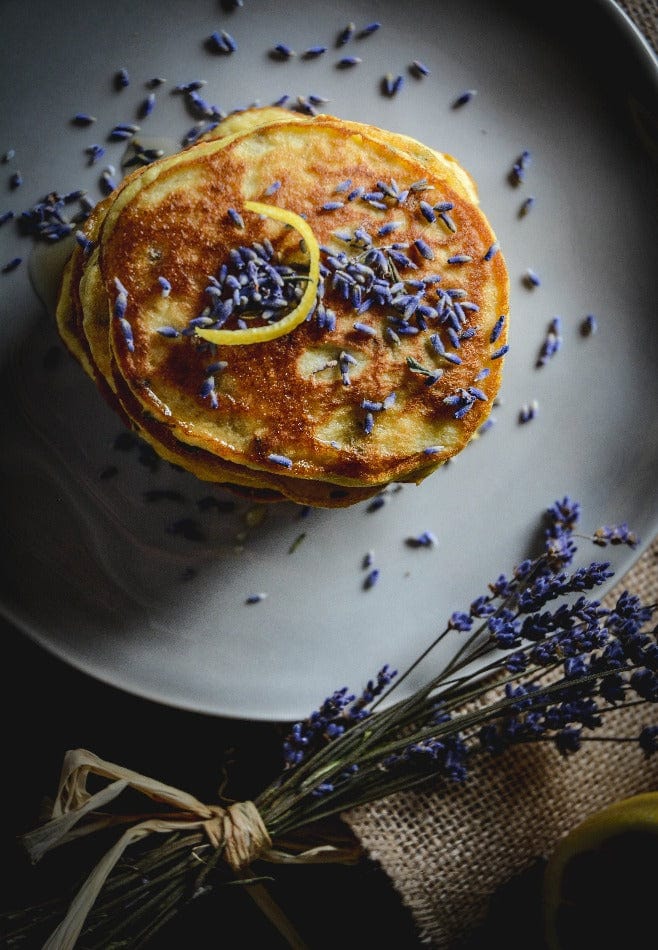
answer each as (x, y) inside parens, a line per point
(352, 337)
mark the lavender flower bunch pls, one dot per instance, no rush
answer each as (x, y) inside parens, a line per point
(536, 659)
(557, 660)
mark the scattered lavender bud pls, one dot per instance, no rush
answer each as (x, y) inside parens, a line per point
(396, 85)
(282, 51)
(589, 325)
(448, 221)
(6, 216)
(282, 460)
(526, 206)
(123, 131)
(368, 30)
(497, 329)
(83, 119)
(121, 78)
(306, 106)
(95, 152)
(348, 61)
(236, 217)
(127, 331)
(256, 598)
(427, 539)
(518, 169)
(531, 279)
(424, 249)
(8, 156)
(371, 578)
(313, 52)
(12, 265)
(216, 43)
(463, 98)
(427, 211)
(147, 106)
(388, 228)
(16, 180)
(419, 69)
(221, 42)
(229, 41)
(346, 34)
(615, 534)
(528, 411)
(552, 342)
(106, 182)
(84, 241)
(208, 391)
(192, 86)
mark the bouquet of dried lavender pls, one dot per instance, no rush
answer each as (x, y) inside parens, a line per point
(521, 672)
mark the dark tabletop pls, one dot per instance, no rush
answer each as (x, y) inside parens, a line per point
(48, 708)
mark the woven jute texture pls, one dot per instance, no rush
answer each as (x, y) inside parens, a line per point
(644, 14)
(448, 850)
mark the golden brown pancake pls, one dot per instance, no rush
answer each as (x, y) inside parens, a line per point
(324, 416)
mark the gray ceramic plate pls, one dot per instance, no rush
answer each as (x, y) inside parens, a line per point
(125, 568)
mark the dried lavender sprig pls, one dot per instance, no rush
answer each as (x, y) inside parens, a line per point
(561, 524)
(367, 750)
(562, 518)
(365, 757)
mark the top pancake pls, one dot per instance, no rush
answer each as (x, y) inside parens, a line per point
(287, 398)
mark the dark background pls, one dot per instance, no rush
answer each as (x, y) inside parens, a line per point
(48, 708)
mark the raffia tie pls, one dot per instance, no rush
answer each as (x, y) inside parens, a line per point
(240, 830)
(237, 829)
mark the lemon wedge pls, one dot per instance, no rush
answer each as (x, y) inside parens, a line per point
(599, 887)
(271, 331)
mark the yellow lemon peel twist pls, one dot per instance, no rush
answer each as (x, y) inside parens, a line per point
(271, 331)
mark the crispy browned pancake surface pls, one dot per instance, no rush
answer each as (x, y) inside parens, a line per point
(389, 376)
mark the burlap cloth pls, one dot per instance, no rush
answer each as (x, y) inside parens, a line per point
(448, 851)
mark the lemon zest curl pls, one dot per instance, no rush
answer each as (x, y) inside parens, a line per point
(271, 331)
